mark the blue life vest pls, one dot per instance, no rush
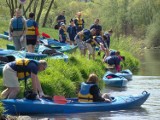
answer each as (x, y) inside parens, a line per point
(17, 24)
(84, 94)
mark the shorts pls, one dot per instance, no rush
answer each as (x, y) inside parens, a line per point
(31, 41)
(81, 44)
(10, 78)
(91, 49)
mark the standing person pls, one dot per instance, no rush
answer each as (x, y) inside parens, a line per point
(90, 91)
(32, 33)
(72, 31)
(61, 18)
(22, 69)
(17, 30)
(63, 37)
(97, 27)
(91, 44)
(107, 37)
(79, 22)
(82, 37)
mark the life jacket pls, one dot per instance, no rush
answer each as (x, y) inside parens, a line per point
(21, 67)
(17, 24)
(30, 27)
(79, 22)
(86, 35)
(84, 94)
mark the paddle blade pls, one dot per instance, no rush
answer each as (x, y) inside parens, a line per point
(59, 99)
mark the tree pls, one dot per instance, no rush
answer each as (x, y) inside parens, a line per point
(46, 15)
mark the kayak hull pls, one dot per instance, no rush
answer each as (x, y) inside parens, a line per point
(24, 106)
(113, 80)
(124, 73)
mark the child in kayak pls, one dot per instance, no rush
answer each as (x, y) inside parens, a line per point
(90, 91)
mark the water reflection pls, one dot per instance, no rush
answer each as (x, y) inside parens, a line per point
(150, 65)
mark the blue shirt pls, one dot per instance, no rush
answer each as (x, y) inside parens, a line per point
(98, 29)
(71, 31)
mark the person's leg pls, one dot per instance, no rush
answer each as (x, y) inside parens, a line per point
(10, 93)
(106, 96)
(23, 43)
(29, 48)
(10, 80)
(16, 43)
(90, 50)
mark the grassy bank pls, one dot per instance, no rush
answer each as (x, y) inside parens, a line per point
(62, 78)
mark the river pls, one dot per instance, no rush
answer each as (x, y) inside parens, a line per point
(147, 79)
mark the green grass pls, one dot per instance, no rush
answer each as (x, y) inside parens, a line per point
(62, 78)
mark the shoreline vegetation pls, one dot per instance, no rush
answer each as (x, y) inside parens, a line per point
(62, 78)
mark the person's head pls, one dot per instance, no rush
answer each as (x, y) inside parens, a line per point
(42, 65)
(31, 15)
(110, 31)
(96, 21)
(62, 13)
(79, 14)
(93, 78)
(62, 25)
(118, 53)
(93, 31)
(72, 22)
(18, 12)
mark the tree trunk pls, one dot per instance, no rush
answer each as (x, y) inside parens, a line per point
(35, 5)
(29, 5)
(46, 16)
(40, 10)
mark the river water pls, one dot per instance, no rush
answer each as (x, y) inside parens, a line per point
(147, 79)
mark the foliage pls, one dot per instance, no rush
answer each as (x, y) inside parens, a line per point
(152, 35)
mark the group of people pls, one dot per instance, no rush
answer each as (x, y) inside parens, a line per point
(86, 39)
(24, 33)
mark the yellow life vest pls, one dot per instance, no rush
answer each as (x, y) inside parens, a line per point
(30, 28)
(79, 22)
(84, 94)
(21, 64)
(85, 98)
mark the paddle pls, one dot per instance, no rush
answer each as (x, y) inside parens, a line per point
(60, 99)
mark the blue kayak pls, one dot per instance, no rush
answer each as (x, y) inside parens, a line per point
(39, 55)
(113, 80)
(124, 73)
(44, 106)
(62, 47)
(4, 36)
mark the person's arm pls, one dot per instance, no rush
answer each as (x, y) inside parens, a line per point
(25, 27)
(36, 84)
(94, 90)
(10, 28)
(95, 42)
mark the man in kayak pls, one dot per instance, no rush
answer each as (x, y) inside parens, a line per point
(90, 91)
(22, 69)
